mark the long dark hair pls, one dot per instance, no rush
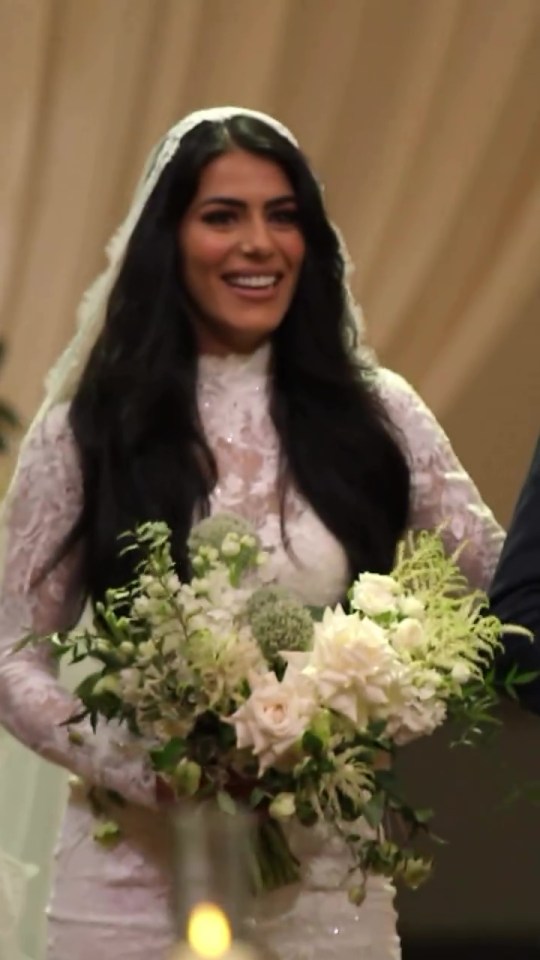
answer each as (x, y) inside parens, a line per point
(134, 416)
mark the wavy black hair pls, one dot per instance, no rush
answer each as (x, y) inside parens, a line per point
(134, 416)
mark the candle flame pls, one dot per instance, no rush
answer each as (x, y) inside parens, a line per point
(208, 931)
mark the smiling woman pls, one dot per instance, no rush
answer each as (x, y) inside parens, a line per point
(242, 249)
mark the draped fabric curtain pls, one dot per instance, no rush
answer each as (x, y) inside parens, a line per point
(422, 118)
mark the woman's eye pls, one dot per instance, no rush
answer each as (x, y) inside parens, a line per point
(219, 217)
(287, 215)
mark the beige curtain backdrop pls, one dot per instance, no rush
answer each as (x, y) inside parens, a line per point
(421, 116)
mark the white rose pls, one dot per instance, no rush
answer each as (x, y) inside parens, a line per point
(411, 607)
(461, 672)
(274, 717)
(352, 665)
(409, 635)
(374, 594)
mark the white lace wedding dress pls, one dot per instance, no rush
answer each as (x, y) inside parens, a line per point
(115, 904)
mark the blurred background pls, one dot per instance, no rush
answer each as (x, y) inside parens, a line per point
(422, 118)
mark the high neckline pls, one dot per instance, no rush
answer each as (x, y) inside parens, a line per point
(213, 366)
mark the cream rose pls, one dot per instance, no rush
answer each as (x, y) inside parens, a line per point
(352, 665)
(374, 594)
(274, 717)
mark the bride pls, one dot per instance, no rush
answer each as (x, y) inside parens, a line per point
(219, 365)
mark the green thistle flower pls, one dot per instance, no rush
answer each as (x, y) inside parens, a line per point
(227, 541)
(212, 531)
(268, 596)
(278, 623)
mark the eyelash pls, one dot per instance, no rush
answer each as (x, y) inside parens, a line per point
(225, 217)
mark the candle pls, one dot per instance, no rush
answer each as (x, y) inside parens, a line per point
(236, 951)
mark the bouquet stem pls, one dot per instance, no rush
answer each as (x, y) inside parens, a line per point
(273, 864)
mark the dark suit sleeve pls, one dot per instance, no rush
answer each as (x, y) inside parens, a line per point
(515, 591)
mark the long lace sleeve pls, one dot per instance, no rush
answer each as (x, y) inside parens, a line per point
(33, 705)
(442, 491)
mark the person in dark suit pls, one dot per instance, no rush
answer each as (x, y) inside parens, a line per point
(515, 589)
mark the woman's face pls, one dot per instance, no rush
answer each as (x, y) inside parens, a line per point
(241, 250)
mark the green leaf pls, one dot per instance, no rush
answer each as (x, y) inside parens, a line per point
(167, 757)
(373, 810)
(312, 744)
(423, 816)
(305, 813)
(257, 796)
(226, 736)
(85, 689)
(526, 677)
(377, 728)
(226, 803)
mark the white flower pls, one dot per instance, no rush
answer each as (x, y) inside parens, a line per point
(141, 606)
(283, 806)
(200, 585)
(173, 583)
(147, 648)
(417, 709)
(417, 719)
(172, 641)
(153, 587)
(274, 717)
(461, 672)
(352, 665)
(225, 661)
(409, 636)
(374, 594)
(411, 607)
(130, 681)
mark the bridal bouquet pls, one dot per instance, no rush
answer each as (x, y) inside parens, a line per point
(240, 693)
